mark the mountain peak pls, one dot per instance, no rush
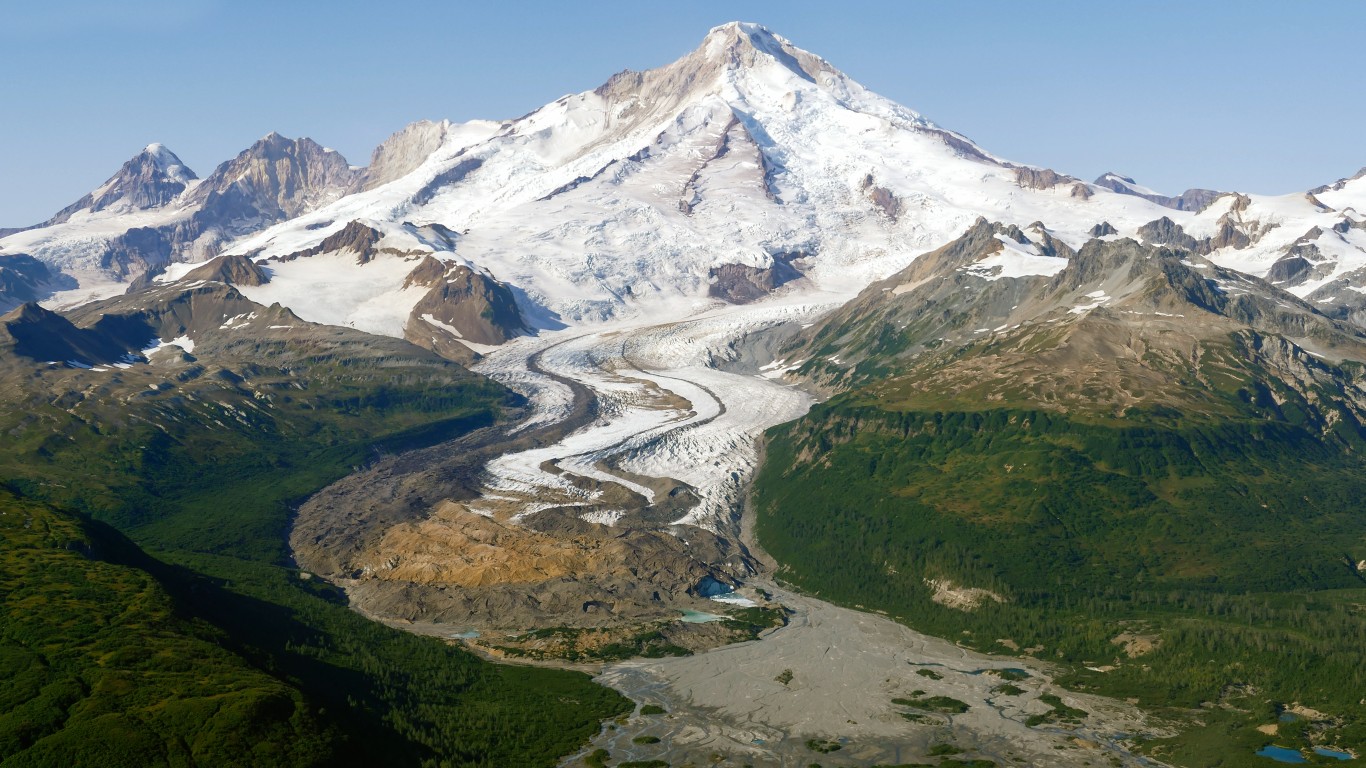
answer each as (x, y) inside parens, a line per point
(274, 139)
(1113, 175)
(740, 44)
(274, 179)
(1190, 200)
(166, 161)
(149, 179)
(756, 35)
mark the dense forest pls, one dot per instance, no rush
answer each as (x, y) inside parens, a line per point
(152, 615)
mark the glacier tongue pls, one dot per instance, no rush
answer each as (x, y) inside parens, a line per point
(665, 412)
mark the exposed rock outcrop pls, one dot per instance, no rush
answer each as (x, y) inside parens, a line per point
(403, 152)
(742, 283)
(355, 237)
(136, 251)
(45, 336)
(1302, 262)
(463, 305)
(884, 198)
(1230, 234)
(427, 273)
(24, 278)
(234, 270)
(272, 180)
(1195, 200)
(1042, 178)
(152, 178)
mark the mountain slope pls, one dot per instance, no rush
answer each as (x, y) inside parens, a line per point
(739, 154)
(153, 178)
(1060, 450)
(155, 211)
(996, 288)
(198, 449)
(348, 279)
(102, 668)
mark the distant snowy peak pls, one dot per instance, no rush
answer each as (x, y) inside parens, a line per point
(1347, 195)
(740, 45)
(1123, 184)
(1194, 200)
(152, 178)
(166, 161)
(749, 68)
(1338, 185)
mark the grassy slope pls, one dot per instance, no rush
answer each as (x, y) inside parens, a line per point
(210, 497)
(1229, 538)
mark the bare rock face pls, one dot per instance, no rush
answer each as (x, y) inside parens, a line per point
(1302, 262)
(138, 250)
(427, 273)
(42, 335)
(741, 283)
(1164, 231)
(355, 237)
(272, 180)
(234, 270)
(24, 278)
(1042, 178)
(1229, 235)
(172, 310)
(403, 152)
(1195, 200)
(152, 178)
(464, 304)
(883, 198)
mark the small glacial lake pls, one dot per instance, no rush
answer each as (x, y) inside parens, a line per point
(1281, 754)
(1285, 755)
(698, 617)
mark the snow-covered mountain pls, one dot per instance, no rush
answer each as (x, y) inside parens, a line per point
(152, 178)
(155, 211)
(1190, 200)
(748, 166)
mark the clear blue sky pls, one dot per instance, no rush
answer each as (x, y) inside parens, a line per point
(1247, 95)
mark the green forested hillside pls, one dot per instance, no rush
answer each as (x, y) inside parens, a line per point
(195, 641)
(1143, 465)
(103, 669)
(1232, 543)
